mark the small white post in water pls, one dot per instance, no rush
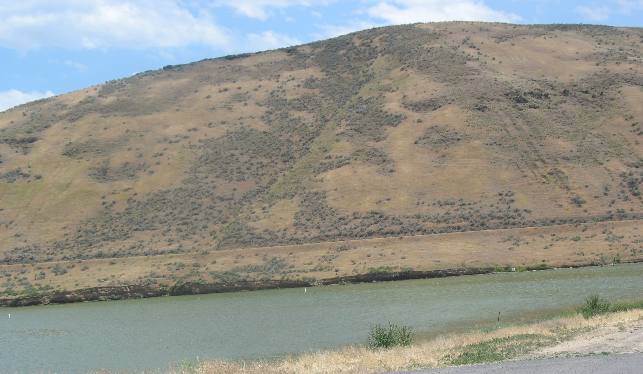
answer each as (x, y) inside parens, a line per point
(9, 315)
(305, 290)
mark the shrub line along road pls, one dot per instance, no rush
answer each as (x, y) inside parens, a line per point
(630, 363)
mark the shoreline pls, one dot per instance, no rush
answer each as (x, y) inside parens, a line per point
(196, 288)
(126, 292)
(354, 261)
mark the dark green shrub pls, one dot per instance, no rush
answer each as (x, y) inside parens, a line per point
(59, 270)
(390, 336)
(578, 201)
(594, 305)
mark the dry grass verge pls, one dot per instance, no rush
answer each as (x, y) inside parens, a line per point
(478, 346)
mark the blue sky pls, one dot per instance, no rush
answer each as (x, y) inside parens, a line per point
(52, 47)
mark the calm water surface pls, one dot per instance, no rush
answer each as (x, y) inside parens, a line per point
(157, 333)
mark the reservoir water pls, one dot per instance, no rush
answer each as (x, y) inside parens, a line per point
(160, 332)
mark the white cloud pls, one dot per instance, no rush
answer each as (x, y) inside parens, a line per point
(11, 98)
(75, 65)
(88, 24)
(411, 11)
(260, 9)
(598, 13)
(629, 6)
(269, 40)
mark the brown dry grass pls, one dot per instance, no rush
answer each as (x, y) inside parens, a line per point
(555, 246)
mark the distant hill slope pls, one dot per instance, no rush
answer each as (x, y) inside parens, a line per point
(394, 131)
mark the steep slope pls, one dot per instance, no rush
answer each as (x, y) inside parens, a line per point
(397, 131)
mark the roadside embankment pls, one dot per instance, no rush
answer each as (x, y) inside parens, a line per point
(538, 339)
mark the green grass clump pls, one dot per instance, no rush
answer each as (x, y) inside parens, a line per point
(499, 349)
(390, 336)
(625, 306)
(381, 270)
(594, 305)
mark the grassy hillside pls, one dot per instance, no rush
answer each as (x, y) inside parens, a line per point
(427, 129)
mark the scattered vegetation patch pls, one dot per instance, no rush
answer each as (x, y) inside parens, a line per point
(423, 106)
(376, 157)
(105, 173)
(499, 349)
(578, 201)
(366, 120)
(381, 270)
(595, 305)
(245, 154)
(439, 137)
(15, 175)
(93, 148)
(389, 336)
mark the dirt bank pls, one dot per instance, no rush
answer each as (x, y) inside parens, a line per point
(144, 291)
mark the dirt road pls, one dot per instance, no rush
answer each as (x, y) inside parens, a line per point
(630, 363)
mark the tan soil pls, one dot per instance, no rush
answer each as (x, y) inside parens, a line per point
(620, 337)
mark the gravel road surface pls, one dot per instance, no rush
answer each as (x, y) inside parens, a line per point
(631, 363)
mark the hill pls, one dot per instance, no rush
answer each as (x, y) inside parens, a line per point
(405, 148)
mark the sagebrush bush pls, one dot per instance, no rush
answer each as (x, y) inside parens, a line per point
(390, 336)
(594, 305)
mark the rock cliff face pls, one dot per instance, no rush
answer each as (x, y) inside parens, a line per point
(396, 131)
